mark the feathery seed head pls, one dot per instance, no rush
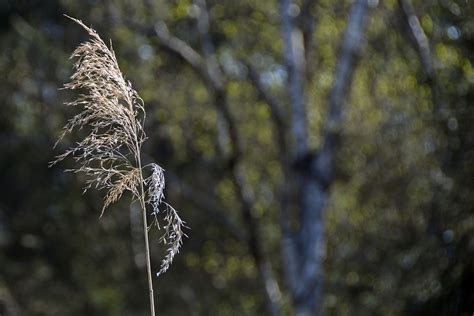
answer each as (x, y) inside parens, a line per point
(110, 154)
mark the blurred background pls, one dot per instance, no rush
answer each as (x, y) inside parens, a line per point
(395, 235)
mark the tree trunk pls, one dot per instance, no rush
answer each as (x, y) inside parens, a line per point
(304, 250)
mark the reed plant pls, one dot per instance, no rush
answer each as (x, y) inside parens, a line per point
(110, 155)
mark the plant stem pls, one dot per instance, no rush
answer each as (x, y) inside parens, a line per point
(145, 232)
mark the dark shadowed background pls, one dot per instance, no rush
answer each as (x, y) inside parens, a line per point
(321, 152)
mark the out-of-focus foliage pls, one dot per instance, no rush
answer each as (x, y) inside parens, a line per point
(400, 224)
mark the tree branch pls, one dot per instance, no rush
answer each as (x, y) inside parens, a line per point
(276, 109)
(420, 43)
(348, 58)
(419, 37)
(306, 23)
(209, 51)
(181, 48)
(294, 63)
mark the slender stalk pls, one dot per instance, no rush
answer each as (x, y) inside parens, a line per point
(147, 245)
(148, 264)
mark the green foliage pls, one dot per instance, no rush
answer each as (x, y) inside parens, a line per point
(400, 225)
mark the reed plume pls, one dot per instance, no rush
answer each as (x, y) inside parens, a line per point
(110, 153)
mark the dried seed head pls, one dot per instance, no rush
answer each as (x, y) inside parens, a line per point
(173, 237)
(109, 155)
(113, 113)
(156, 186)
(173, 227)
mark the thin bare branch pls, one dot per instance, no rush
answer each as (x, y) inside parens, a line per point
(294, 63)
(421, 44)
(348, 58)
(276, 109)
(213, 69)
(306, 22)
(178, 46)
(182, 49)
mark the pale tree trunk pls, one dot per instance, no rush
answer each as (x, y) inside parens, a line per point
(312, 173)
